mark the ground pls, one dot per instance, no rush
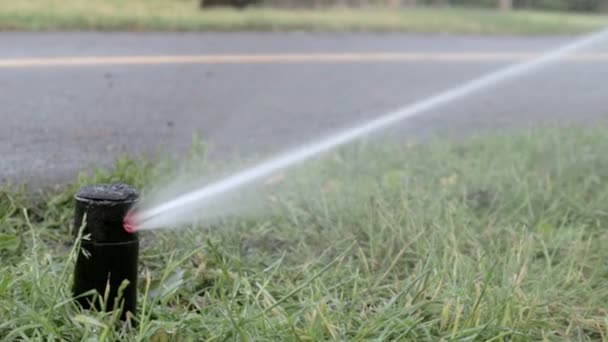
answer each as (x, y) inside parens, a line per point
(59, 119)
(494, 237)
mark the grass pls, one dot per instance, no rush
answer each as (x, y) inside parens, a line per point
(184, 15)
(494, 238)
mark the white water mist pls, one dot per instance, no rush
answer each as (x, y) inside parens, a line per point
(185, 207)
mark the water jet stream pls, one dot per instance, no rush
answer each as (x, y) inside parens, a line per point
(156, 217)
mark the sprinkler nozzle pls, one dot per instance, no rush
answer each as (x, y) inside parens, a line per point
(108, 258)
(129, 224)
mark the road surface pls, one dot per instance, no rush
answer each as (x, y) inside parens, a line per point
(72, 101)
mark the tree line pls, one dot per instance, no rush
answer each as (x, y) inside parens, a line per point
(555, 5)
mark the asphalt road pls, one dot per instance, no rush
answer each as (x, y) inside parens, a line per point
(70, 101)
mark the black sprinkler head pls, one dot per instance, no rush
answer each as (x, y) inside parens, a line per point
(109, 255)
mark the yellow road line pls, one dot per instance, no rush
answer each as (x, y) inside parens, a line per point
(283, 58)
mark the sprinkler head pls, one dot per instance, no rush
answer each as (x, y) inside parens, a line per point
(107, 259)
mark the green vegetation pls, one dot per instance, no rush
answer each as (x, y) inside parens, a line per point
(185, 15)
(493, 238)
(553, 5)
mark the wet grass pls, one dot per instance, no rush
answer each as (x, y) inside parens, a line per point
(494, 238)
(184, 15)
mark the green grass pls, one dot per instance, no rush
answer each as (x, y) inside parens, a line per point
(493, 238)
(184, 15)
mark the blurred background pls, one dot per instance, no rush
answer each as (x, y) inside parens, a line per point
(554, 5)
(87, 81)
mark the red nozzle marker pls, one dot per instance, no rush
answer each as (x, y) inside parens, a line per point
(128, 223)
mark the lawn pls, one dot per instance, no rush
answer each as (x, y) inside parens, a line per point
(497, 238)
(184, 15)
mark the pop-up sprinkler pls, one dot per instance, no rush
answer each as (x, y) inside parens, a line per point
(108, 257)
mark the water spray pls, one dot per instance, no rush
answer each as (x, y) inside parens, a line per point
(166, 212)
(108, 255)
